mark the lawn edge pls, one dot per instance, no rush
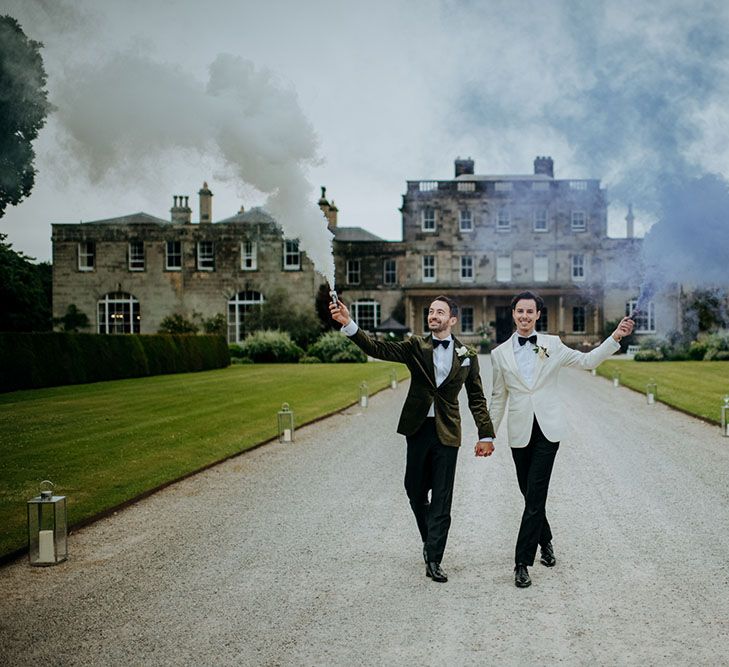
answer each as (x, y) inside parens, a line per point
(17, 554)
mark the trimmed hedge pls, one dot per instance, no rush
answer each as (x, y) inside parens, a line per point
(32, 360)
(270, 347)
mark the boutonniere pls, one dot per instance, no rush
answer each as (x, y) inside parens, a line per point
(466, 351)
(541, 351)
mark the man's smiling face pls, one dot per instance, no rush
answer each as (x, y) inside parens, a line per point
(525, 315)
(440, 320)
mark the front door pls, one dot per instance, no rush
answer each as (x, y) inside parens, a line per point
(504, 322)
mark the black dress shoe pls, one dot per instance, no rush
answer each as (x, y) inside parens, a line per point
(547, 555)
(521, 576)
(425, 555)
(434, 571)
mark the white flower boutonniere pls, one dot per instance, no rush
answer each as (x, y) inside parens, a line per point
(541, 351)
(464, 351)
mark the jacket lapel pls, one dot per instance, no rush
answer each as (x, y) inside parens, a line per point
(426, 347)
(540, 362)
(511, 359)
(456, 363)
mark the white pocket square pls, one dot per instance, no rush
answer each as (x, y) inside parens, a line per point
(466, 362)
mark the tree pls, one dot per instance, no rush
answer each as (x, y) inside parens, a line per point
(24, 106)
(177, 324)
(73, 320)
(278, 313)
(25, 291)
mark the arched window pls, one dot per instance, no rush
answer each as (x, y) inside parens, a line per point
(366, 313)
(238, 306)
(118, 313)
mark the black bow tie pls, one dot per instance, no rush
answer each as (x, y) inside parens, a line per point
(531, 339)
(438, 341)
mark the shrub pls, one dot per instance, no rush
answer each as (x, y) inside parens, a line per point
(697, 350)
(271, 347)
(333, 347)
(722, 355)
(648, 355)
(177, 324)
(241, 360)
(50, 359)
(236, 352)
(309, 360)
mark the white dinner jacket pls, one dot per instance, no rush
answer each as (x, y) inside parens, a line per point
(542, 398)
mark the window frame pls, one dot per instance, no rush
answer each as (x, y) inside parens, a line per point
(353, 269)
(461, 218)
(537, 279)
(499, 259)
(580, 226)
(389, 271)
(649, 318)
(503, 219)
(433, 268)
(249, 255)
(583, 315)
(206, 257)
(467, 260)
(577, 267)
(425, 214)
(131, 259)
(83, 252)
(365, 321)
(464, 318)
(291, 251)
(168, 254)
(116, 305)
(537, 215)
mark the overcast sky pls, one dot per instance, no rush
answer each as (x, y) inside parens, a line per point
(273, 99)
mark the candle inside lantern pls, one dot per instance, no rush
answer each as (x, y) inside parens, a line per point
(363, 401)
(287, 435)
(616, 382)
(651, 398)
(46, 550)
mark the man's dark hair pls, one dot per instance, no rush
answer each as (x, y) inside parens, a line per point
(528, 295)
(451, 304)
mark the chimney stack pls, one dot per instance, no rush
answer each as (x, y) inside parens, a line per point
(544, 165)
(464, 166)
(181, 212)
(630, 220)
(330, 210)
(206, 204)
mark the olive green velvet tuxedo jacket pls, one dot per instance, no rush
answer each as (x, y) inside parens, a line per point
(417, 354)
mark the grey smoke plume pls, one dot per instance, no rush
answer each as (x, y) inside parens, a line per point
(131, 110)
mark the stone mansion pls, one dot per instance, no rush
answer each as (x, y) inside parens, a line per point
(479, 238)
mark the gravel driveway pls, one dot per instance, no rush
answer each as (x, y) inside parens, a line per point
(307, 554)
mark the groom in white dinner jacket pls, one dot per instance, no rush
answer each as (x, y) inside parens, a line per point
(525, 373)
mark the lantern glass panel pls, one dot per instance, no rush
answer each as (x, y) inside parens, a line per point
(47, 530)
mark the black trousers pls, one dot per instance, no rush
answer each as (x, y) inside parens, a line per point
(430, 467)
(534, 465)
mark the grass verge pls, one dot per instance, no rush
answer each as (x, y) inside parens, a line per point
(106, 443)
(695, 387)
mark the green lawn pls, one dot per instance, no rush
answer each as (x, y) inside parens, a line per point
(107, 442)
(696, 387)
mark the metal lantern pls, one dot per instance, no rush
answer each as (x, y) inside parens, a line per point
(285, 424)
(616, 379)
(393, 379)
(364, 394)
(47, 527)
(725, 417)
(651, 389)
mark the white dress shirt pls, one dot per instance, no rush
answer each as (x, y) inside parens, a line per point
(525, 357)
(442, 362)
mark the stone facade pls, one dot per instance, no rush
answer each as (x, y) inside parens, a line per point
(478, 238)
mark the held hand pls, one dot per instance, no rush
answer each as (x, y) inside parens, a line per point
(625, 328)
(339, 313)
(484, 448)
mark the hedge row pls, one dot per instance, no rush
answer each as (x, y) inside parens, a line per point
(31, 360)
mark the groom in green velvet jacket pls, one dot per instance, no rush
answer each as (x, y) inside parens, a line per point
(431, 422)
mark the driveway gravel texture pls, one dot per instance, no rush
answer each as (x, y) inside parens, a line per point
(308, 554)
